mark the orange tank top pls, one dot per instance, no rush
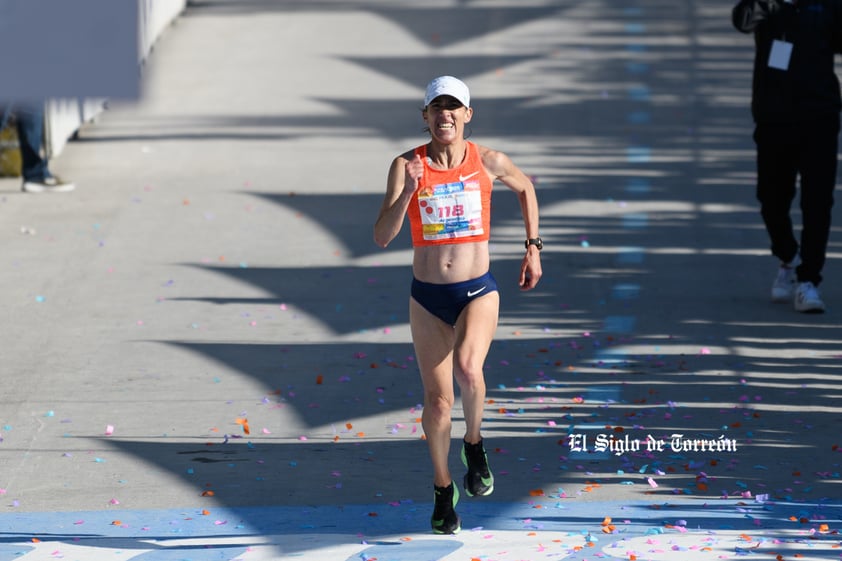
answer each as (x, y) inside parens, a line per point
(453, 205)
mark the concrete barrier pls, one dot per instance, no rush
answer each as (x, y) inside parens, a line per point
(65, 116)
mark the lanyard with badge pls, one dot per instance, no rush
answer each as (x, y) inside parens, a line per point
(781, 52)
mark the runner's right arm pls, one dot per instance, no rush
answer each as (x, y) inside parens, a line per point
(404, 178)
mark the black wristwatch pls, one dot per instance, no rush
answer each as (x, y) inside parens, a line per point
(537, 242)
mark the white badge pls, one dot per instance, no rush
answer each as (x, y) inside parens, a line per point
(780, 54)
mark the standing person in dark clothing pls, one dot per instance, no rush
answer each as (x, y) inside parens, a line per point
(795, 104)
(35, 166)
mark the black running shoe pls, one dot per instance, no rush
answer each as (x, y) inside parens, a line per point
(479, 481)
(445, 520)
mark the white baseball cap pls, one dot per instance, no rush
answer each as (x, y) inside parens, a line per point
(447, 85)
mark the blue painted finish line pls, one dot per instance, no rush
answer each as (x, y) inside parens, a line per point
(559, 529)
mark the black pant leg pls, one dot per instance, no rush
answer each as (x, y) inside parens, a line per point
(776, 174)
(817, 168)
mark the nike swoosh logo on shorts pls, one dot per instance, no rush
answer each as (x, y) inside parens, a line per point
(470, 175)
(472, 293)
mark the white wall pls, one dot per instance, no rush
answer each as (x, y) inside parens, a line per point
(64, 116)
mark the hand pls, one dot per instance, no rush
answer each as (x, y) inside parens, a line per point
(530, 269)
(413, 172)
(778, 5)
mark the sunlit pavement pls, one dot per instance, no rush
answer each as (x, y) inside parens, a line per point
(719, 530)
(206, 356)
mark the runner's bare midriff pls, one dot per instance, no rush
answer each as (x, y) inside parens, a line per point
(445, 264)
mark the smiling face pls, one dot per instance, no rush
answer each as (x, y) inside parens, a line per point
(446, 118)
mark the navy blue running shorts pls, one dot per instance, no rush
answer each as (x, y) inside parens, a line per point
(446, 301)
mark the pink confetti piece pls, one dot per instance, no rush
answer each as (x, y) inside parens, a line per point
(652, 483)
(109, 430)
(114, 502)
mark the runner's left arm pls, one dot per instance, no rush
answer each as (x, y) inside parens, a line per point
(502, 168)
